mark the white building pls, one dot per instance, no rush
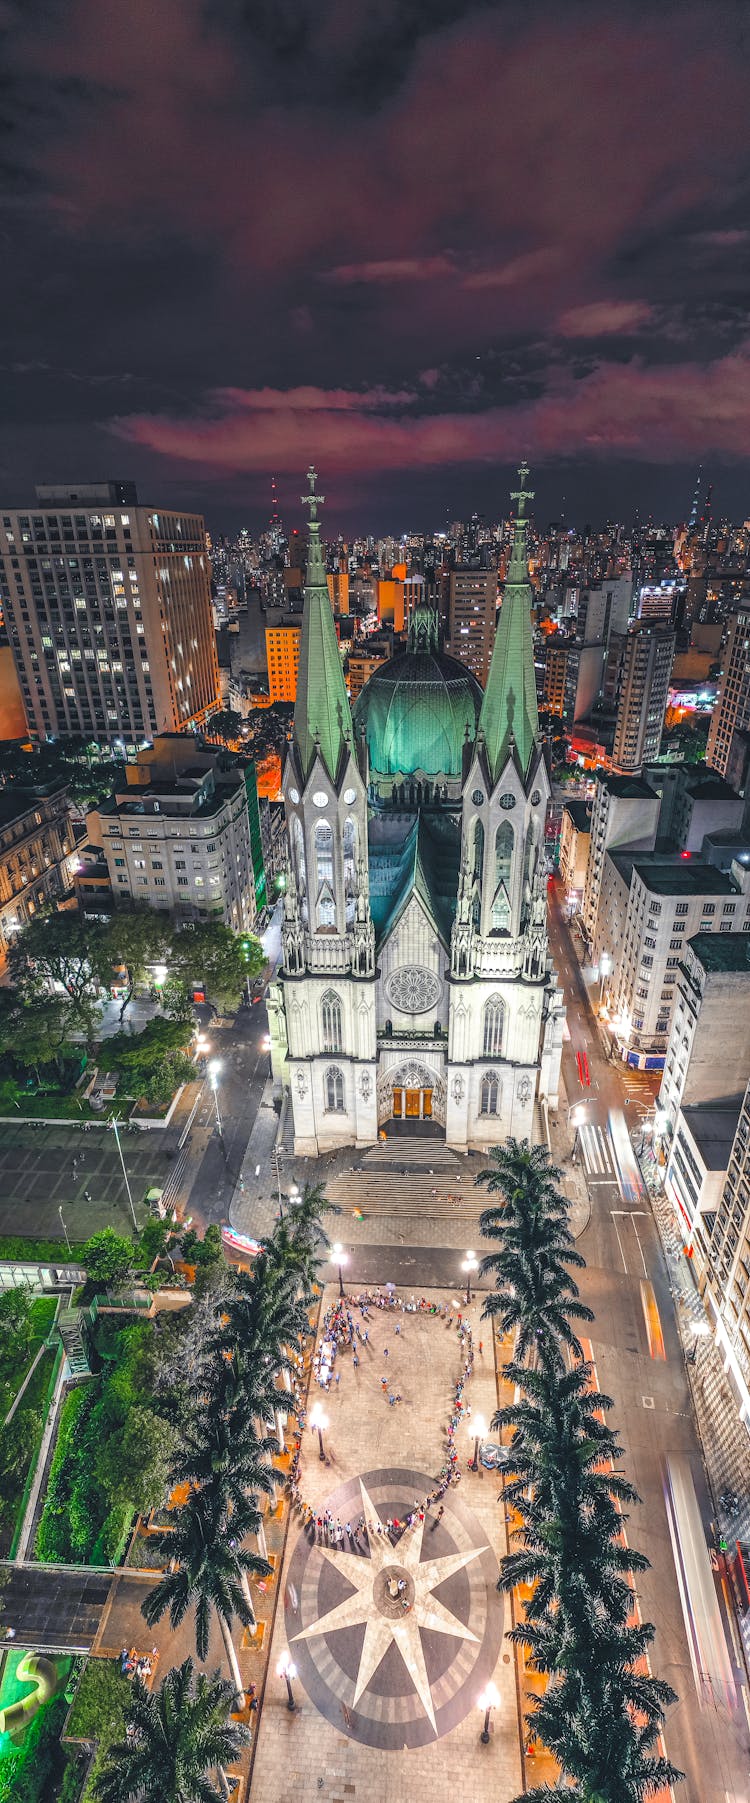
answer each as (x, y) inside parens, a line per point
(416, 983)
(178, 835)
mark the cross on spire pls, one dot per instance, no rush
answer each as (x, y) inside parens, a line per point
(522, 494)
(312, 500)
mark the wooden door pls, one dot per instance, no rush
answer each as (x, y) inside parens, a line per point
(427, 1104)
(412, 1102)
(398, 1104)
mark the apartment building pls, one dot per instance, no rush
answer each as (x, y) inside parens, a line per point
(575, 839)
(727, 1269)
(645, 668)
(282, 656)
(37, 856)
(625, 811)
(184, 834)
(472, 610)
(732, 712)
(108, 611)
(650, 905)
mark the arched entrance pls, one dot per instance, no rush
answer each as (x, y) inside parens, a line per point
(408, 1093)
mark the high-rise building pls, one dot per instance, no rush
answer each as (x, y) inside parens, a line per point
(108, 611)
(732, 711)
(646, 657)
(282, 655)
(472, 608)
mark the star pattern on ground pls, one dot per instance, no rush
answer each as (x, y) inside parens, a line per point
(402, 1628)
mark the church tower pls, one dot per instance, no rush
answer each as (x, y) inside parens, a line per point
(506, 1012)
(323, 1010)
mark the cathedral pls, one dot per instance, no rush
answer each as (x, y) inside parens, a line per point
(415, 982)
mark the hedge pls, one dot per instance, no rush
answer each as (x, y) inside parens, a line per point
(111, 1540)
(53, 1531)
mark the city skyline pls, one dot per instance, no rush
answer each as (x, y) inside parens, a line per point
(242, 248)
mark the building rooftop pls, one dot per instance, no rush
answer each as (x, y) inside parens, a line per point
(15, 803)
(674, 875)
(713, 1128)
(629, 788)
(580, 814)
(722, 951)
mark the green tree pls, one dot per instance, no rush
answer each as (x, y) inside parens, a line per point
(108, 1257)
(145, 1051)
(136, 937)
(207, 952)
(15, 1442)
(175, 1737)
(38, 1030)
(225, 725)
(134, 1466)
(62, 950)
(209, 1567)
(15, 1326)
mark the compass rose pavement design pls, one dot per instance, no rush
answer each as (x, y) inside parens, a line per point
(393, 1644)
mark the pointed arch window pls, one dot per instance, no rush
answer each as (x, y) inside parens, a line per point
(478, 849)
(490, 1093)
(350, 846)
(334, 1090)
(504, 842)
(323, 841)
(494, 1021)
(330, 1008)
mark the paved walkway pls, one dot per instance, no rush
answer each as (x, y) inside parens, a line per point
(365, 1688)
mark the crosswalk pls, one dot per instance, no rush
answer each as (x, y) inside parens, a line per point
(595, 1150)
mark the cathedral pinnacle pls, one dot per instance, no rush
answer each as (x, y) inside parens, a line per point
(322, 719)
(509, 720)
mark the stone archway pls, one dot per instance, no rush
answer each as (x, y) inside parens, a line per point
(411, 1091)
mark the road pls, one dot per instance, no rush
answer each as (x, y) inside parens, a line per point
(639, 1363)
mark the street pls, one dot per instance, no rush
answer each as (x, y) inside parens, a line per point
(639, 1363)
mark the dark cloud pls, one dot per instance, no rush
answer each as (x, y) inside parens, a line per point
(406, 236)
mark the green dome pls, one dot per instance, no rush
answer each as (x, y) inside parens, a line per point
(415, 710)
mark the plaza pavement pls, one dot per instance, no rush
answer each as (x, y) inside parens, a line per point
(312, 1752)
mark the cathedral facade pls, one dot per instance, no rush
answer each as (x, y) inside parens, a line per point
(415, 982)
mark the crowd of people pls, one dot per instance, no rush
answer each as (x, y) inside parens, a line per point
(340, 1332)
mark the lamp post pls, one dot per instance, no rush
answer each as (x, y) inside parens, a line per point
(488, 1701)
(339, 1257)
(65, 1230)
(213, 1078)
(318, 1420)
(477, 1427)
(115, 1129)
(470, 1263)
(288, 1670)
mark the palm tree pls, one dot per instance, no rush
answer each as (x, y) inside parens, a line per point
(174, 1737)
(209, 1567)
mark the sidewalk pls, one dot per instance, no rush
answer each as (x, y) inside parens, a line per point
(254, 1205)
(724, 1439)
(573, 1180)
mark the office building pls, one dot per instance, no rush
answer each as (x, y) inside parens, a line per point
(727, 1273)
(575, 839)
(625, 812)
(645, 667)
(184, 833)
(282, 654)
(472, 609)
(108, 611)
(338, 589)
(363, 661)
(37, 856)
(708, 1057)
(732, 712)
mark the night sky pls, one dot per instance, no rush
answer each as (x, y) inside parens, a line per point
(407, 239)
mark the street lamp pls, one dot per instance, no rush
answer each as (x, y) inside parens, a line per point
(288, 1670)
(318, 1420)
(339, 1257)
(470, 1263)
(477, 1427)
(65, 1230)
(114, 1123)
(488, 1701)
(605, 966)
(213, 1078)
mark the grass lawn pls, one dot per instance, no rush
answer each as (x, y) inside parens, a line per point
(14, 1487)
(98, 1711)
(42, 1317)
(58, 1108)
(14, 1249)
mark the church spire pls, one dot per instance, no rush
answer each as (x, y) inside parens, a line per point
(322, 720)
(509, 716)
